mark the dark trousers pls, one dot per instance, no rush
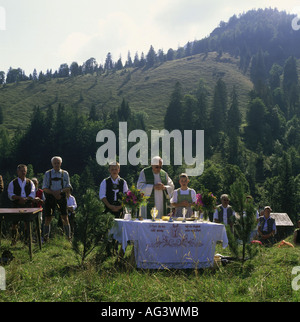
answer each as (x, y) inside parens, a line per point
(51, 203)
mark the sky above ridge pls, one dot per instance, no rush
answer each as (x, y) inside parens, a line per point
(43, 34)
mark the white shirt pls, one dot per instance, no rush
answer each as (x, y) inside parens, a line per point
(10, 189)
(158, 194)
(102, 190)
(71, 202)
(225, 219)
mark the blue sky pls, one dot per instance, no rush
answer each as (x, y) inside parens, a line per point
(43, 34)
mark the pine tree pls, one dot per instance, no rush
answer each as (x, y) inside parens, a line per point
(136, 61)
(151, 57)
(1, 115)
(290, 86)
(244, 222)
(218, 114)
(129, 62)
(93, 115)
(274, 78)
(108, 62)
(188, 113)
(119, 64)
(201, 117)
(234, 118)
(142, 62)
(254, 131)
(258, 72)
(170, 54)
(219, 109)
(34, 75)
(124, 112)
(92, 226)
(174, 111)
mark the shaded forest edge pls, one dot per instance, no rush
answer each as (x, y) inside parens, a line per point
(262, 148)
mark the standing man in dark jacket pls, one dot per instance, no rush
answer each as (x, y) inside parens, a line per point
(21, 191)
(110, 189)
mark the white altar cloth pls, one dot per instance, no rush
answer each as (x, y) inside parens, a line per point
(163, 244)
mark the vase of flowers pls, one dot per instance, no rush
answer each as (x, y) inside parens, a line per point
(133, 199)
(209, 203)
(198, 205)
(205, 203)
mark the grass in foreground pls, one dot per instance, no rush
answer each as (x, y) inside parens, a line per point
(54, 275)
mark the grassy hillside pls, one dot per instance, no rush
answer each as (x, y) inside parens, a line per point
(146, 90)
(55, 276)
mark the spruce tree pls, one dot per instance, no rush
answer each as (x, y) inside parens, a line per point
(234, 118)
(151, 57)
(290, 86)
(174, 111)
(202, 106)
(258, 72)
(254, 131)
(92, 226)
(219, 109)
(244, 222)
(1, 115)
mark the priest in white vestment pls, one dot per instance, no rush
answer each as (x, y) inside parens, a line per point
(155, 183)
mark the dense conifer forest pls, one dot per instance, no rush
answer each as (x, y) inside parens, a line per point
(256, 139)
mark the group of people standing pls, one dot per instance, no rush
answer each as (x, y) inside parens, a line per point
(153, 181)
(156, 184)
(55, 194)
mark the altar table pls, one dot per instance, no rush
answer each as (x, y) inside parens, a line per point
(23, 214)
(163, 244)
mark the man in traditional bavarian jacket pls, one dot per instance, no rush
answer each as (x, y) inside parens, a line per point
(224, 213)
(266, 227)
(155, 183)
(110, 189)
(21, 191)
(55, 185)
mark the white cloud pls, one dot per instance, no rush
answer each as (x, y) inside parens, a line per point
(44, 34)
(72, 46)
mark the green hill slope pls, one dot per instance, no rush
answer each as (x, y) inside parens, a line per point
(146, 90)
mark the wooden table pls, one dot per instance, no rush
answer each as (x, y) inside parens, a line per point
(27, 215)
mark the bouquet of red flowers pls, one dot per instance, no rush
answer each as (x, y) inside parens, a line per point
(133, 198)
(205, 202)
(198, 205)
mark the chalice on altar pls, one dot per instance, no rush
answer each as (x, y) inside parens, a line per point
(196, 215)
(154, 213)
(183, 214)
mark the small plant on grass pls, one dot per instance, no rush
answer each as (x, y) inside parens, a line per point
(92, 226)
(244, 222)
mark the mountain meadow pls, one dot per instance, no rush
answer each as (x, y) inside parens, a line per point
(240, 85)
